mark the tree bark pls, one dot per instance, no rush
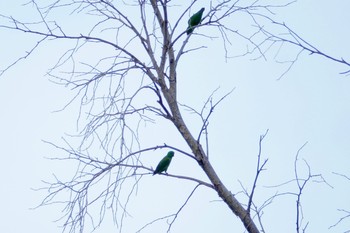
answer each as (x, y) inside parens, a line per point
(203, 161)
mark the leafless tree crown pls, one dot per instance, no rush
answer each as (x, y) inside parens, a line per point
(122, 64)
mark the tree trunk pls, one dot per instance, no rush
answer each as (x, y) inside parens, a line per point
(203, 161)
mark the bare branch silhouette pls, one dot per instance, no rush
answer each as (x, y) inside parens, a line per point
(129, 81)
(346, 216)
(259, 168)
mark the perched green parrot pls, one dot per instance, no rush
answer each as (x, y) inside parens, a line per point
(194, 21)
(164, 163)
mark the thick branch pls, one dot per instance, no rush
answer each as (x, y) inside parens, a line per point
(203, 161)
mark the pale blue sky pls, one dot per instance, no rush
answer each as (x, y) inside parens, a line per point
(309, 104)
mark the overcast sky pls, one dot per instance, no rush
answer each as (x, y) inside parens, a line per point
(311, 103)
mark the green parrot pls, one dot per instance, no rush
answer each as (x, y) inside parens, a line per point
(194, 21)
(164, 163)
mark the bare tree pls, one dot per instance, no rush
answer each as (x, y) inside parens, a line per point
(134, 83)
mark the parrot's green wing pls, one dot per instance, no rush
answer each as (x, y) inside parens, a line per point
(194, 21)
(164, 163)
